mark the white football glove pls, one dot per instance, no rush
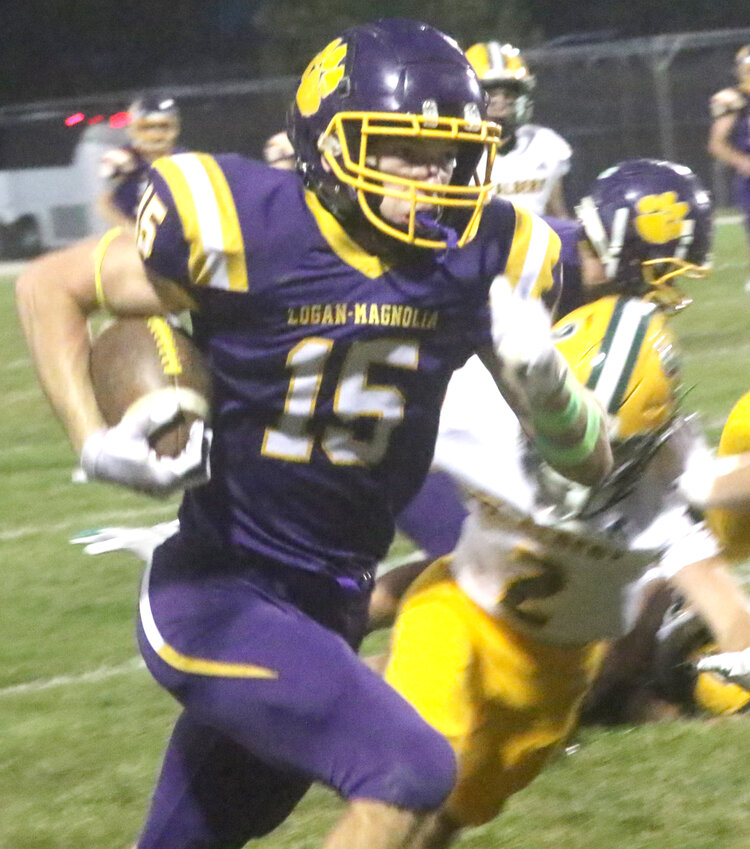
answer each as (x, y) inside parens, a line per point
(523, 342)
(732, 665)
(122, 454)
(139, 541)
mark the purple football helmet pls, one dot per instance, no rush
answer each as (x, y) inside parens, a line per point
(402, 79)
(649, 221)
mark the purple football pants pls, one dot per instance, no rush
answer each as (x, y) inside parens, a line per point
(741, 189)
(262, 658)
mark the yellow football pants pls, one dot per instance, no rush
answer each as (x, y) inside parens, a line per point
(505, 701)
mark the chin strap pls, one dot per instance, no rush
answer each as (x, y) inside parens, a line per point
(448, 234)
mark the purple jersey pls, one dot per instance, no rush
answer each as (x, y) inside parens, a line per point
(740, 138)
(571, 294)
(740, 134)
(329, 366)
(129, 186)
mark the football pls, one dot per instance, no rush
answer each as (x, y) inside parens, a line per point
(133, 359)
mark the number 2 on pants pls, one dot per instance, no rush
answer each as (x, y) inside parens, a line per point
(354, 398)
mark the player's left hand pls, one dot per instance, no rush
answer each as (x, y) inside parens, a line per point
(528, 356)
(732, 665)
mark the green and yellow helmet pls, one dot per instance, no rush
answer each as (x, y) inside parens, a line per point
(732, 527)
(502, 66)
(622, 349)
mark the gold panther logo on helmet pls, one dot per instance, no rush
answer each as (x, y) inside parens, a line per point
(321, 77)
(661, 218)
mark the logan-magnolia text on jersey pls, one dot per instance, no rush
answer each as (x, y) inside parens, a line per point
(390, 315)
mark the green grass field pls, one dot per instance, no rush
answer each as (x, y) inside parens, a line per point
(83, 725)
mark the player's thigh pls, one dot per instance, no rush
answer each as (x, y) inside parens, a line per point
(432, 661)
(532, 697)
(290, 691)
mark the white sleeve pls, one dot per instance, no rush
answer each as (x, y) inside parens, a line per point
(689, 542)
(557, 151)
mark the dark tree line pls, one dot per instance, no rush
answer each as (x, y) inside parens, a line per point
(61, 48)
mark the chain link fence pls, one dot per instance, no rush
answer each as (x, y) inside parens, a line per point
(645, 97)
(611, 100)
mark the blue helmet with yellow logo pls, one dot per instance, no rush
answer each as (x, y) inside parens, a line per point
(393, 78)
(649, 221)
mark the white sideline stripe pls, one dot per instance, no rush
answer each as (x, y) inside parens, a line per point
(19, 362)
(729, 219)
(135, 664)
(94, 520)
(11, 269)
(17, 395)
(715, 352)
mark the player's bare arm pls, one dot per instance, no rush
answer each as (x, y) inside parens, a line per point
(55, 296)
(710, 588)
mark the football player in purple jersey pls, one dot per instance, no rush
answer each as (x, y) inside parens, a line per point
(153, 132)
(332, 305)
(729, 138)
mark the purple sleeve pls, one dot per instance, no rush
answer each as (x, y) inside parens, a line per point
(433, 518)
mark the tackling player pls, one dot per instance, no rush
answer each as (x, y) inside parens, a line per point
(497, 644)
(647, 223)
(729, 138)
(532, 160)
(153, 131)
(332, 310)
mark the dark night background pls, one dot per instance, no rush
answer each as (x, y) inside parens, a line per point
(68, 48)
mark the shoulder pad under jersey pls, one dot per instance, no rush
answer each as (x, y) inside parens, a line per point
(726, 101)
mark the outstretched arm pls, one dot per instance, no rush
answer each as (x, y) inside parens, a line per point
(559, 415)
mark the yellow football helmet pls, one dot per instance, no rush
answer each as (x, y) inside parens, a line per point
(742, 68)
(732, 527)
(682, 640)
(499, 63)
(622, 349)
(502, 66)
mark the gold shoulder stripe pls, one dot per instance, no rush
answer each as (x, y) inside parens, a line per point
(342, 245)
(234, 246)
(185, 205)
(209, 218)
(533, 253)
(519, 246)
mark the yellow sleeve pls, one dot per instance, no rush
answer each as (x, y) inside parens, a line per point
(534, 253)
